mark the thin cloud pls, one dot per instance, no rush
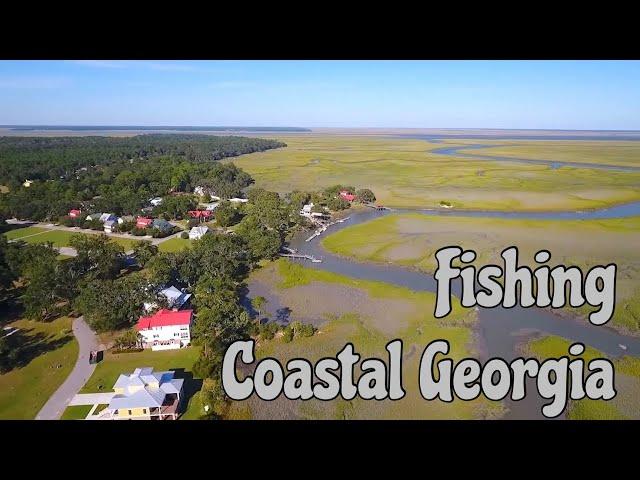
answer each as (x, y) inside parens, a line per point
(149, 65)
(34, 82)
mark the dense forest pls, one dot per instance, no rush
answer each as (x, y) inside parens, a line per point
(49, 158)
(117, 175)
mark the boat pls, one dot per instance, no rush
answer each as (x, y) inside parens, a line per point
(623, 347)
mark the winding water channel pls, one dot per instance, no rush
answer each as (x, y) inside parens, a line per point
(498, 331)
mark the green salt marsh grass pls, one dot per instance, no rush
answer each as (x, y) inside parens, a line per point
(606, 152)
(413, 239)
(625, 405)
(410, 319)
(405, 173)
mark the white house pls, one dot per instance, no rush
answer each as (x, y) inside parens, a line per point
(307, 211)
(176, 299)
(166, 330)
(107, 217)
(197, 233)
(156, 201)
(110, 226)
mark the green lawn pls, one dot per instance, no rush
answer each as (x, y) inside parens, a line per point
(60, 238)
(23, 232)
(174, 245)
(76, 412)
(113, 365)
(23, 391)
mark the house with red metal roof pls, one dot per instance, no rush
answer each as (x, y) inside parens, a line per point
(204, 214)
(74, 213)
(166, 329)
(144, 222)
(349, 197)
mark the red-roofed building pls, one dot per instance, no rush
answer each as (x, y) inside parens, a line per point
(166, 329)
(205, 214)
(143, 222)
(74, 213)
(349, 197)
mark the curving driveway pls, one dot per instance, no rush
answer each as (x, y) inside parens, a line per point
(82, 371)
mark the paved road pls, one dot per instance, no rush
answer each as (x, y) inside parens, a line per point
(82, 371)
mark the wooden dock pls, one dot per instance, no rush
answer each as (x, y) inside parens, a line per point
(301, 256)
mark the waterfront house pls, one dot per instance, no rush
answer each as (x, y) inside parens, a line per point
(197, 233)
(166, 329)
(74, 213)
(93, 216)
(145, 395)
(346, 195)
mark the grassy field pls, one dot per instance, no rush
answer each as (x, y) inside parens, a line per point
(18, 233)
(113, 365)
(610, 153)
(413, 239)
(59, 238)
(51, 353)
(174, 245)
(76, 412)
(404, 173)
(626, 404)
(368, 314)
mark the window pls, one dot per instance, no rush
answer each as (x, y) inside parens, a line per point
(184, 328)
(144, 410)
(176, 334)
(184, 335)
(129, 412)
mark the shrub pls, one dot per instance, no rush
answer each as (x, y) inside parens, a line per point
(127, 350)
(138, 232)
(126, 226)
(268, 330)
(302, 329)
(184, 235)
(287, 334)
(192, 223)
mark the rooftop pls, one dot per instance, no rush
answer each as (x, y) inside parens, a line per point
(165, 318)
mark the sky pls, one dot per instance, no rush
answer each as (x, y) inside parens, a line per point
(582, 95)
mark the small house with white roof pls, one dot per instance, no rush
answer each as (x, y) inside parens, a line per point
(196, 233)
